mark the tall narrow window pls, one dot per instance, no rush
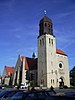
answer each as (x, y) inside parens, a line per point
(45, 24)
(40, 42)
(49, 40)
(52, 41)
(57, 80)
(51, 80)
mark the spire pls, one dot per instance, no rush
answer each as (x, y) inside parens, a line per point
(34, 55)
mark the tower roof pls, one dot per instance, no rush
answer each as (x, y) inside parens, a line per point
(45, 26)
(45, 19)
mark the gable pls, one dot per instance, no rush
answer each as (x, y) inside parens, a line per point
(9, 70)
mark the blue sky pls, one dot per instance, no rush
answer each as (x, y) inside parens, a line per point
(19, 28)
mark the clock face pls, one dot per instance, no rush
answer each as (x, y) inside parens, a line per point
(60, 65)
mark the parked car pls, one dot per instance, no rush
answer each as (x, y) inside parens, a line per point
(71, 94)
(62, 98)
(51, 92)
(33, 95)
(24, 85)
(6, 94)
(2, 87)
(19, 96)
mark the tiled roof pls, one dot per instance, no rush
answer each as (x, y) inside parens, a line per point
(45, 19)
(30, 63)
(60, 52)
(9, 70)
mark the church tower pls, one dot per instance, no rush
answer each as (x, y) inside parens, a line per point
(46, 53)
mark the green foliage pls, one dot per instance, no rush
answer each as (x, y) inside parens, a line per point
(72, 76)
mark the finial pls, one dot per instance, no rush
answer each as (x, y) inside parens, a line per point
(45, 12)
(34, 55)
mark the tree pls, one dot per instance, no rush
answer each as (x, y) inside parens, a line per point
(72, 76)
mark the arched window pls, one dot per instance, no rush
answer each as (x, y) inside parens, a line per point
(51, 80)
(40, 42)
(49, 40)
(52, 41)
(45, 24)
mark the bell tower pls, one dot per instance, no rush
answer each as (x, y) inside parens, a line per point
(46, 52)
(45, 26)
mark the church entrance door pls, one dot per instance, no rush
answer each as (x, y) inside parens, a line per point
(61, 82)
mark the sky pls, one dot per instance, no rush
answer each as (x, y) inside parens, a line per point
(19, 28)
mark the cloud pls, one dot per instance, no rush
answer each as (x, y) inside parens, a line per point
(65, 41)
(64, 15)
(68, 44)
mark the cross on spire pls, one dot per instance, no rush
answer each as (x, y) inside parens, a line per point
(45, 12)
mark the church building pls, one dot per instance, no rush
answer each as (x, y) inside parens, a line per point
(52, 63)
(51, 66)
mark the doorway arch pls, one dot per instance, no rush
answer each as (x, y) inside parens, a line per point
(61, 82)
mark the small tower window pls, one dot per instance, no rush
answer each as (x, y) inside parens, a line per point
(49, 40)
(45, 24)
(51, 80)
(57, 80)
(40, 42)
(52, 41)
